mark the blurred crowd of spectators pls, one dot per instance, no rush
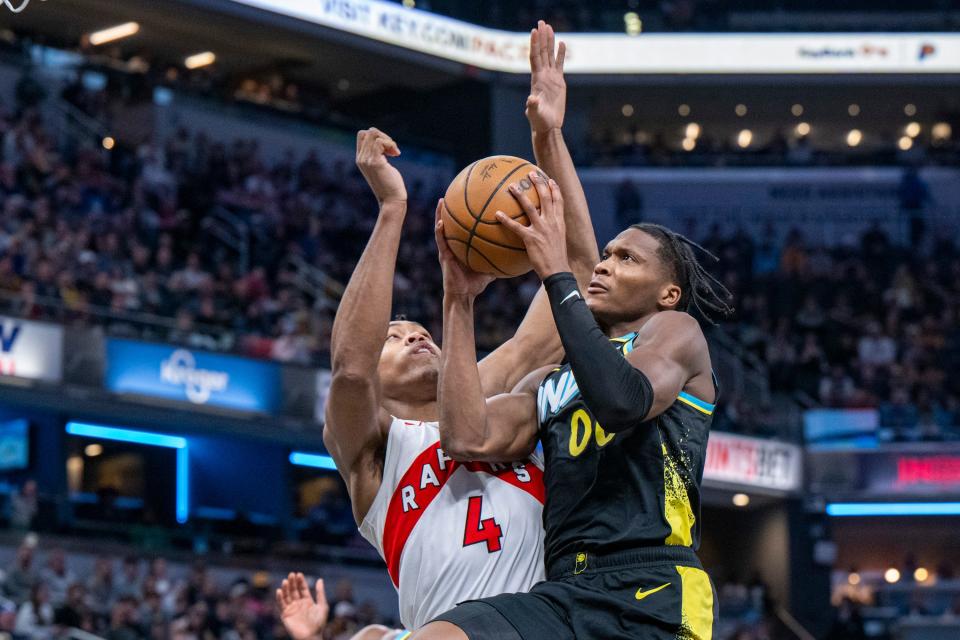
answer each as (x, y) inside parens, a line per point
(110, 237)
(135, 598)
(867, 324)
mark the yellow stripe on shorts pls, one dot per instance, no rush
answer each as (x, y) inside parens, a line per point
(697, 604)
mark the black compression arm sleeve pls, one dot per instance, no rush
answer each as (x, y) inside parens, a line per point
(618, 394)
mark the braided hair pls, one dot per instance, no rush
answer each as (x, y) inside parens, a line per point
(698, 288)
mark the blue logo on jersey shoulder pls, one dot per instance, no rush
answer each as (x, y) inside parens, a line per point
(555, 393)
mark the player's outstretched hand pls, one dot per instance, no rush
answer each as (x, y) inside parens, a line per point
(373, 149)
(302, 616)
(458, 279)
(546, 236)
(547, 101)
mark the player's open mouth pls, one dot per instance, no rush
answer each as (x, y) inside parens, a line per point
(423, 349)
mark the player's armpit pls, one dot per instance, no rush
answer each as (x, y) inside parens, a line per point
(670, 350)
(355, 427)
(352, 417)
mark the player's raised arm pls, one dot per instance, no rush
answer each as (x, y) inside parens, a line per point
(536, 342)
(472, 427)
(354, 418)
(546, 106)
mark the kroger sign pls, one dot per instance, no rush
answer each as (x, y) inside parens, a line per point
(200, 378)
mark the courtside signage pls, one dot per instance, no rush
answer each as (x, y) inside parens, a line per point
(767, 464)
(612, 53)
(31, 349)
(195, 377)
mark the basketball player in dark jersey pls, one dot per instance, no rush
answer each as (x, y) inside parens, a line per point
(623, 424)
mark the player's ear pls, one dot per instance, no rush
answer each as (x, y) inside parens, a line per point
(670, 296)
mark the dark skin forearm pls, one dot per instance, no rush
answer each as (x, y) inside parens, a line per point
(362, 319)
(552, 155)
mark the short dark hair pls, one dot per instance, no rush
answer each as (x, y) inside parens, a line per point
(698, 288)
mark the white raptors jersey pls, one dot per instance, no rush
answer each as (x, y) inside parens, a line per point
(453, 531)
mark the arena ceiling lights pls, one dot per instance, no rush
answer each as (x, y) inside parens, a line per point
(735, 53)
(118, 32)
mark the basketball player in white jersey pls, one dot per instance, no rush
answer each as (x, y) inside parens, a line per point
(449, 531)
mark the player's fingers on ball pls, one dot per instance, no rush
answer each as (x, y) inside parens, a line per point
(511, 224)
(525, 203)
(442, 248)
(438, 225)
(543, 190)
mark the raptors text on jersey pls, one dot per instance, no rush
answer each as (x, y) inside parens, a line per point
(452, 531)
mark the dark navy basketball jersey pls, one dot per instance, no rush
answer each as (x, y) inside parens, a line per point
(611, 492)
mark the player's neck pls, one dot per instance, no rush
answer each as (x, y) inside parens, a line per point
(617, 329)
(424, 410)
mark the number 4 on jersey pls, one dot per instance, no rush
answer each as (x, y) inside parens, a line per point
(481, 530)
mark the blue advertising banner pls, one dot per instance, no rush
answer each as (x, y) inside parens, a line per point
(197, 377)
(14, 444)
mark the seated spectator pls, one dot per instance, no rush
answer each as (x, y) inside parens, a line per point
(22, 576)
(101, 585)
(899, 414)
(35, 616)
(837, 389)
(23, 506)
(74, 612)
(130, 583)
(123, 620)
(57, 576)
(875, 348)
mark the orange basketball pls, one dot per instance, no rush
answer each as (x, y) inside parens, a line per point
(471, 203)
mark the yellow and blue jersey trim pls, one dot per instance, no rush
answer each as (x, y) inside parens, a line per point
(696, 403)
(626, 342)
(403, 636)
(626, 346)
